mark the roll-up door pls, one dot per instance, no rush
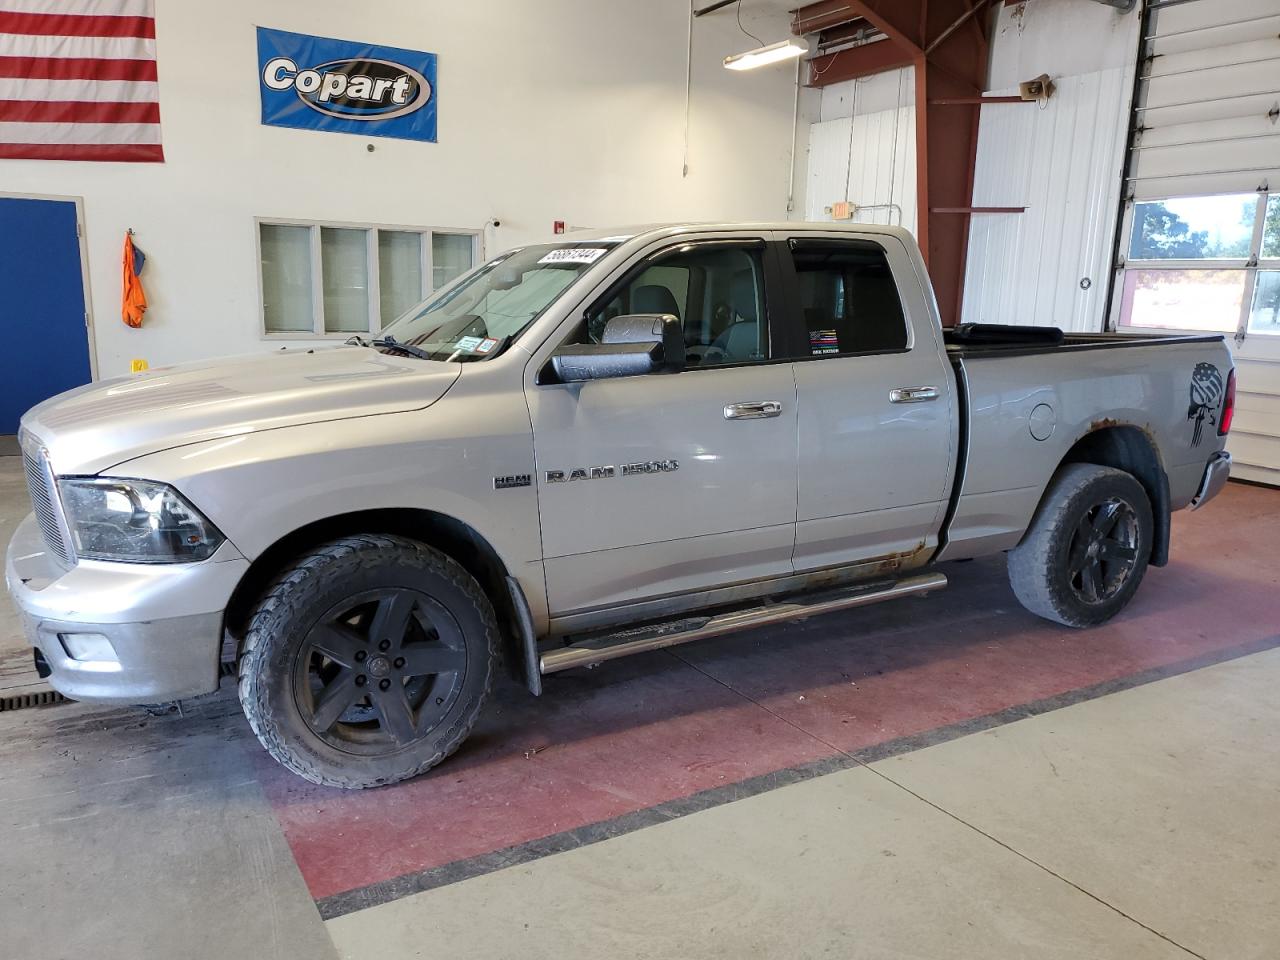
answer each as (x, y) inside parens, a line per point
(1199, 245)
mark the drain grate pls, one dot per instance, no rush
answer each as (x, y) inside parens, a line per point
(41, 698)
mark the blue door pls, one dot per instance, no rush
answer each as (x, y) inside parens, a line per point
(42, 316)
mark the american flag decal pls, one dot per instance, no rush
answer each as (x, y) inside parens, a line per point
(78, 80)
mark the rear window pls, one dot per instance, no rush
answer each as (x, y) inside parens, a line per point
(848, 298)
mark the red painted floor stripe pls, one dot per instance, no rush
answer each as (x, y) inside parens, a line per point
(633, 734)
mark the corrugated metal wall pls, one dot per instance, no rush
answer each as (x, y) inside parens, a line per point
(863, 150)
(1061, 160)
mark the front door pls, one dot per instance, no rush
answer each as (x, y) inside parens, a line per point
(877, 423)
(670, 483)
(42, 320)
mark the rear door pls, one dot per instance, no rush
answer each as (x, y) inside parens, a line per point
(43, 318)
(877, 427)
(671, 483)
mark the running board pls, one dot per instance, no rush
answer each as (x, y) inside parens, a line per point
(686, 630)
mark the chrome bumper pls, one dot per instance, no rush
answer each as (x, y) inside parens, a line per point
(1215, 477)
(162, 623)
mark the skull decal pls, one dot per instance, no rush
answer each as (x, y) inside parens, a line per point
(1206, 397)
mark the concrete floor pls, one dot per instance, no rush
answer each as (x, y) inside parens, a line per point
(944, 779)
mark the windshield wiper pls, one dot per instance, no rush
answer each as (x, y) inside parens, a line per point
(391, 343)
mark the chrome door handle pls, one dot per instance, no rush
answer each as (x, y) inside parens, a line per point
(752, 410)
(913, 394)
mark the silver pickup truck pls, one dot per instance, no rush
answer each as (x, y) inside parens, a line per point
(582, 450)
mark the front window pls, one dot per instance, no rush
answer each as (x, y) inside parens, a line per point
(715, 290)
(476, 318)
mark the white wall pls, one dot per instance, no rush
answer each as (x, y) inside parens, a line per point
(563, 109)
(862, 149)
(1062, 160)
(1048, 266)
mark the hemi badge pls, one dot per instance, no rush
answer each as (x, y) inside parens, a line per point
(515, 480)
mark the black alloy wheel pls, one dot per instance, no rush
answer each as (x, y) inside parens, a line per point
(379, 670)
(1103, 551)
(367, 660)
(1087, 548)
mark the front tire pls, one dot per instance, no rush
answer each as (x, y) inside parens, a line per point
(367, 661)
(1087, 549)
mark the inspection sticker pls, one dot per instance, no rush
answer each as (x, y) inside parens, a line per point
(485, 345)
(574, 255)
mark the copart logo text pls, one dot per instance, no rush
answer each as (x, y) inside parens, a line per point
(353, 89)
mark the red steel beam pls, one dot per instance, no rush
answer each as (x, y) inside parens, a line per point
(846, 32)
(821, 16)
(854, 62)
(886, 16)
(949, 82)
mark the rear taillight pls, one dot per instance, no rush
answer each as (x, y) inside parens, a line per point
(1228, 405)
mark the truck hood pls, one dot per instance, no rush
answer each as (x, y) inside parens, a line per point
(94, 427)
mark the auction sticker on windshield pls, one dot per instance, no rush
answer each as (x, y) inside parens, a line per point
(574, 255)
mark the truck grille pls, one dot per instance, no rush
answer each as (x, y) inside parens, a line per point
(44, 498)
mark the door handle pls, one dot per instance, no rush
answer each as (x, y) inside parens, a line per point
(913, 394)
(752, 410)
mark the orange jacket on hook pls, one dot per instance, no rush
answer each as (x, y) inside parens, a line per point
(134, 301)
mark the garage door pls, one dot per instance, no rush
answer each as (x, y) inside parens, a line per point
(1200, 234)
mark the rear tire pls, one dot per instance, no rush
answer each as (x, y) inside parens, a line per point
(1087, 548)
(367, 661)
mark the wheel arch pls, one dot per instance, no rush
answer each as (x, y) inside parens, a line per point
(1131, 449)
(460, 541)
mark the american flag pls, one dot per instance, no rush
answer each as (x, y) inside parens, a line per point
(78, 80)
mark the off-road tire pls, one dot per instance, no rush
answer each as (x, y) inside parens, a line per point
(1039, 567)
(301, 594)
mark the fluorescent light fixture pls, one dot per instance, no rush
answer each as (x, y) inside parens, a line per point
(762, 56)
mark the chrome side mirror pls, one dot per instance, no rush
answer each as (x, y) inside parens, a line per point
(633, 344)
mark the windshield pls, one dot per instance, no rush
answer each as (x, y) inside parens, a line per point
(475, 318)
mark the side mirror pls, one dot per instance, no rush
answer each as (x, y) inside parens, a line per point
(633, 344)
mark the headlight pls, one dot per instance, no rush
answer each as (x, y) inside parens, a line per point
(135, 520)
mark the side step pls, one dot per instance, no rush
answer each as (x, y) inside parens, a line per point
(673, 633)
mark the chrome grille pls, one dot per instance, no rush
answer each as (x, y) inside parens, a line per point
(44, 499)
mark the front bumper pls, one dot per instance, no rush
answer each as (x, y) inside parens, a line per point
(162, 622)
(1216, 473)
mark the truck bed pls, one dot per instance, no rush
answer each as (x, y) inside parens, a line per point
(1020, 419)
